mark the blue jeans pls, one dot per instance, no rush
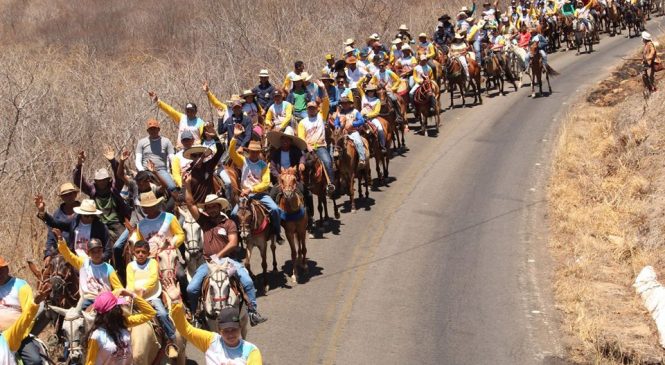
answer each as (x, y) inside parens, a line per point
(194, 287)
(118, 249)
(358, 142)
(168, 179)
(324, 156)
(476, 49)
(163, 318)
(273, 209)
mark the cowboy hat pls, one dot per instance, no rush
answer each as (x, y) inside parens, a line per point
(254, 146)
(348, 49)
(196, 149)
(646, 36)
(102, 174)
(396, 41)
(325, 76)
(403, 27)
(351, 59)
(215, 199)
(349, 42)
(370, 87)
(67, 188)
(422, 35)
(305, 76)
(87, 207)
(374, 37)
(462, 15)
(247, 93)
(458, 36)
(406, 47)
(235, 98)
(275, 138)
(264, 73)
(149, 199)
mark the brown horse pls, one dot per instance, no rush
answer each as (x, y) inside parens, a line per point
(457, 78)
(254, 228)
(396, 125)
(292, 203)
(537, 70)
(495, 70)
(381, 159)
(422, 100)
(316, 182)
(346, 156)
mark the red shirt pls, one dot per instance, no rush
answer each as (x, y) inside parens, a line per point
(524, 40)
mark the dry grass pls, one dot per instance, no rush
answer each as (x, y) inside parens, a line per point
(607, 216)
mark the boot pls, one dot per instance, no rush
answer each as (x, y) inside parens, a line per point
(255, 318)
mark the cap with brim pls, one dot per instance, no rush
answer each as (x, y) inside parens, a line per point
(94, 243)
(229, 317)
(329, 57)
(106, 301)
(423, 57)
(370, 87)
(102, 174)
(186, 134)
(406, 47)
(3, 262)
(67, 188)
(277, 93)
(87, 207)
(152, 123)
(254, 146)
(344, 99)
(462, 15)
(196, 149)
(149, 199)
(275, 139)
(458, 36)
(312, 104)
(264, 73)
(351, 59)
(212, 199)
(247, 93)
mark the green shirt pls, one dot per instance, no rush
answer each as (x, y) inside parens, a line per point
(300, 100)
(108, 208)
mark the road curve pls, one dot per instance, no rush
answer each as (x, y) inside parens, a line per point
(449, 264)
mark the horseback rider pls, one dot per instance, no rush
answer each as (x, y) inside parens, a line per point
(15, 300)
(287, 151)
(143, 281)
(280, 113)
(541, 42)
(350, 119)
(330, 64)
(389, 80)
(650, 58)
(370, 109)
(184, 121)
(459, 50)
(476, 35)
(21, 311)
(489, 10)
(403, 34)
(68, 193)
(254, 179)
(350, 48)
(264, 90)
(204, 162)
(252, 109)
(422, 72)
(298, 69)
(425, 47)
(582, 13)
(313, 131)
(220, 240)
(445, 32)
(407, 63)
(355, 75)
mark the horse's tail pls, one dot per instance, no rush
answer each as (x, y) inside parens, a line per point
(551, 71)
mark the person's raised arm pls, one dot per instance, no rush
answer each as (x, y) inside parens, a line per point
(189, 199)
(213, 99)
(79, 179)
(15, 334)
(70, 257)
(47, 218)
(201, 339)
(145, 311)
(169, 110)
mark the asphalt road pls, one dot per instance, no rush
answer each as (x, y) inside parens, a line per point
(447, 265)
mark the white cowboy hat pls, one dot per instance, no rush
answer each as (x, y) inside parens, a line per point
(422, 57)
(275, 137)
(403, 27)
(646, 36)
(406, 47)
(215, 199)
(421, 35)
(305, 76)
(196, 149)
(396, 41)
(458, 36)
(462, 15)
(87, 207)
(149, 199)
(348, 49)
(247, 92)
(374, 37)
(464, 9)
(349, 42)
(264, 73)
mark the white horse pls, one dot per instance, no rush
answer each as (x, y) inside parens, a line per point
(193, 242)
(223, 290)
(519, 56)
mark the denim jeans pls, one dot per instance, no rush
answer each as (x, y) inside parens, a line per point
(358, 142)
(168, 179)
(273, 210)
(163, 318)
(194, 287)
(29, 352)
(324, 156)
(118, 250)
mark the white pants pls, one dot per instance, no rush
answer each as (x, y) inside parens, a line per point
(358, 142)
(382, 133)
(465, 65)
(226, 179)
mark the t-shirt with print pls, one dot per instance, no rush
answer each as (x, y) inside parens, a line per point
(216, 233)
(81, 239)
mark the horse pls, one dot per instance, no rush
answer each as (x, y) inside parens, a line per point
(193, 242)
(291, 202)
(495, 71)
(456, 77)
(75, 325)
(422, 100)
(396, 125)
(583, 36)
(315, 181)
(633, 20)
(537, 70)
(148, 346)
(254, 229)
(346, 156)
(222, 289)
(614, 18)
(567, 31)
(381, 159)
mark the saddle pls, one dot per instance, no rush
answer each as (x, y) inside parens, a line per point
(258, 210)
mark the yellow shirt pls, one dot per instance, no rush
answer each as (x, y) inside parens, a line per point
(144, 277)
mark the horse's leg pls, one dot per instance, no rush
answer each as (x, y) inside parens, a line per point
(352, 190)
(274, 256)
(451, 90)
(302, 245)
(547, 77)
(263, 248)
(294, 254)
(248, 255)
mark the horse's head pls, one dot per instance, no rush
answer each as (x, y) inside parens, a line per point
(193, 238)
(245, 218)
(74, 328)
(167, 257)
(64, 281)
(219, 293)
(338, 138)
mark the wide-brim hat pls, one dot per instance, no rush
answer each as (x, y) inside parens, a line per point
(254, 146)
(403, 27)
(646, 36)
(212, 199)
(422, 35)
(235, 98)
(462, 15)
(275, 138)
(406, 47)
(396, 41)
(67, 188)
(458, 36)
(305, 76)
(370, 87)
(325, 76)
(264, 73)
(349, 42)
(149, 199)
(102, 174)
(87, 207)
(196, 149)
(348, 49)
(247, 93)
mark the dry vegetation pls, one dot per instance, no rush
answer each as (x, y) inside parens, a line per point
(608, 218)
(74, 75)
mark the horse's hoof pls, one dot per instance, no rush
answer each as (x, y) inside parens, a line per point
(337, 215)
(294, 279)
(266, 289)
(310, 235)
(353, 210)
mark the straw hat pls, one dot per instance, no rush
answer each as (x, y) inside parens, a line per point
(349, 42)
(458, 36)
(646, 36)
(264, 73)
(247, 93)
(254, 146)
(87, 207)
(403, 27)
(305, 76)
(149, 199)
(370, 87)
(396, 41)
(235, 98)
(196, 149)
(67, 188)
(275, 138)
(348, 49)
(325, 76)
(374, 37)
(422, 35)
(212, 199)
(406, 47)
